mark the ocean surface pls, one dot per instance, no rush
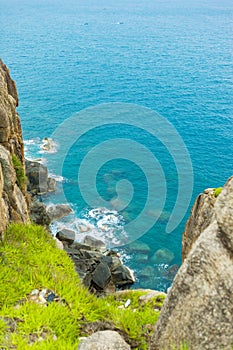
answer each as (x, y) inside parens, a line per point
(110, 75)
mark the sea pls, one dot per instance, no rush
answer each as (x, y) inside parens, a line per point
(129, 104)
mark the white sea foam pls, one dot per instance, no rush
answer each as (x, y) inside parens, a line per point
(58, 178)
(48, 146)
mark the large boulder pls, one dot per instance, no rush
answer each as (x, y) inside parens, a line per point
(199, 306)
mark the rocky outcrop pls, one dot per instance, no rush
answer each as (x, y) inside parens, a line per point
(100, 269)
(10, 127)
(13, 201)
(200, 218)
(199, 306)
(38, 180)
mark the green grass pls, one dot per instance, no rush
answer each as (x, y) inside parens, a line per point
(21, 178)
(217, 191)
(30, 260)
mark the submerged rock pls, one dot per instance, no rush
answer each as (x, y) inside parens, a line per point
(162, 256)
(139, 247)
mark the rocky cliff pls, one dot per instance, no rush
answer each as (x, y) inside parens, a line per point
(199, 308)
(13, 204)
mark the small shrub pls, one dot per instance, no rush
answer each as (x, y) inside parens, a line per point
(217, 191)
(20, 175)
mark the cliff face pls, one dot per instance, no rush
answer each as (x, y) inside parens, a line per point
(199, 306)
(13, 205)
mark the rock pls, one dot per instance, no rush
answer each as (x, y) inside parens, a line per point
(100, 272)
(104, 340)
(59, 244)
(162, 256)
(66, 235)
(149, 295)
(139, 247)
(95, 243)
(141, 258)
(122, 275)
(51, 184)
(38, 213)
(58, 211)
(38, 180)
(171, 271)
(101, 276)
(148, 272)
(48, 145)
(199, 306)
(200, 218)
(13, 201)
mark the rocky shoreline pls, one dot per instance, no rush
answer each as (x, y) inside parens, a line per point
(198, 310)
(100, 269)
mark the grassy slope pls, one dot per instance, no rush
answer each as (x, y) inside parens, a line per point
(30, 260)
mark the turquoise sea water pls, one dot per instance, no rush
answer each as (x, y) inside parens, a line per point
(174, 57)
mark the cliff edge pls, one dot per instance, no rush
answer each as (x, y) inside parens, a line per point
(13, 204)
(199, 308)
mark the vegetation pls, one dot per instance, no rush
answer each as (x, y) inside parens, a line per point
(217, 191)
(30, 260)
(20, 174)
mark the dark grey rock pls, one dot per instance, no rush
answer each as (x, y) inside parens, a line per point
(122, 275)
(101, 276)
(66, 235)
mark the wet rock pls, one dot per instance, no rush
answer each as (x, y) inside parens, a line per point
(66, 235)
(58, 211)
(104, 340)
(162, 256)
